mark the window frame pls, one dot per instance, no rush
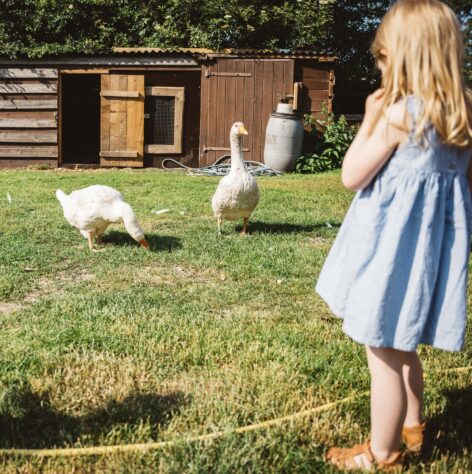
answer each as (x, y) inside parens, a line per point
(179, 96)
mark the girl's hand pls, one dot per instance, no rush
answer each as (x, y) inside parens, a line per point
(373, 104)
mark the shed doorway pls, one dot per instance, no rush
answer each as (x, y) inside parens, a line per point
(80, 120)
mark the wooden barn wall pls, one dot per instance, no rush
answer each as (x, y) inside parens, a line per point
(318, 83)
(190, 80)
(28, 117)
(246, 90)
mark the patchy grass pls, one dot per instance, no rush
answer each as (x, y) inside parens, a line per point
(200, 334)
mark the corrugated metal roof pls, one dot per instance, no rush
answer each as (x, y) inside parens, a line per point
(203, 53)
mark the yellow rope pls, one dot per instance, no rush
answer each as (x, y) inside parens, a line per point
(126, 448)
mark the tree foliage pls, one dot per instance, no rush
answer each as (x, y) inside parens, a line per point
(354, 26)
(37, 28)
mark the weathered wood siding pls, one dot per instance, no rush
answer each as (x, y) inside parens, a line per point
(318, 83)
(244, 90)
(28, 116)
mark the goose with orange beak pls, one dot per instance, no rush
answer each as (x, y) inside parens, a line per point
(237, 194)
(94, 208)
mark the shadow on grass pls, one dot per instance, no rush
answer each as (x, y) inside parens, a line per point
(28, 420)
(450, 431)
(256, 227)
(157, 243)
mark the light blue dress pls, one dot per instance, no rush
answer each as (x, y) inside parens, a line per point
(397, 271)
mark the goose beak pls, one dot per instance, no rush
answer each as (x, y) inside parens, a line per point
(242, 130)
(144, 243)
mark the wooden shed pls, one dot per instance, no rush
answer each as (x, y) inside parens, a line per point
(137, 106)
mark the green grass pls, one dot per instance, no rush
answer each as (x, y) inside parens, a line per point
(200, 334)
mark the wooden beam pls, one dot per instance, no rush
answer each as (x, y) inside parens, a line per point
(155, 68)
(124, 164)
(164, 91)
(27, 123)
(28, 136)
(179, 120)
(160, 149)
(12, 151)
(27, 88)
(129, 94)
(84, 71)
(28, 73)
(9, 163)
(119, 154)
(59, 120)
(15, 104)
(297, 91)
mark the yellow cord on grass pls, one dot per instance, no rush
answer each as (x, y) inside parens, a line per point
(143, 447)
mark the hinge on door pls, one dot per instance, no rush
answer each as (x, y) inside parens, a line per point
(228, 74)
(219, 148)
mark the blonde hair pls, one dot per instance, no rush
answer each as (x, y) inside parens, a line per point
(422, 42)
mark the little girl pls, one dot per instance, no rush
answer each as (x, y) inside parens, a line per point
(397, 271)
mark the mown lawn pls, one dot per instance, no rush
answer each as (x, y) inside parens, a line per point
(203, 333)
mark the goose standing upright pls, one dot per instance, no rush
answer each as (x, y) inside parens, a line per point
(237, 194)
(94, 208)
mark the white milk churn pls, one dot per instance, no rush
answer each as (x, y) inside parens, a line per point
(284, 138)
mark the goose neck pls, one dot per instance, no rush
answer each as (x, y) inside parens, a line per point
(237, 160)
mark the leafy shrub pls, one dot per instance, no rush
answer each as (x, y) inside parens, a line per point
(332, 139)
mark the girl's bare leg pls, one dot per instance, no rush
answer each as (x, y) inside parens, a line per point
(388, 400)
(413, 380)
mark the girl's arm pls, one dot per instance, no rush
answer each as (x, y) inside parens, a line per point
(369, 152)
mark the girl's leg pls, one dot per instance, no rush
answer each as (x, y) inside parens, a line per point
(413, 379)
(388, 400)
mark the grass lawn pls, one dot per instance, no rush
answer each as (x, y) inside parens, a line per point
(203, 333)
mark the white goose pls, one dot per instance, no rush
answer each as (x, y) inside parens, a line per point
(94, 208)
(237, 194)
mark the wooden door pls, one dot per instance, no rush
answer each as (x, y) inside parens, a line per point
(122, 120)
(246, 90)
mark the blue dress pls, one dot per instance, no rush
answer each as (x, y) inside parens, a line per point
(397, 270)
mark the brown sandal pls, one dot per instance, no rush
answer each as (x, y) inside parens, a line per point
(360, 458)
(413, 436)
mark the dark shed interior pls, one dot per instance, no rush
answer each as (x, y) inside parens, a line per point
(80, 102)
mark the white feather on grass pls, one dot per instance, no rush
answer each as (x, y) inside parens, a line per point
(9, 199)
(161, 211)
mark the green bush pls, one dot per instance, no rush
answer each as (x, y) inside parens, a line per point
(332, 139)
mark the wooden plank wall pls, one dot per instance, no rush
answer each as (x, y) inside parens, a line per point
(246, 90)
(28, 117)
(318, 84)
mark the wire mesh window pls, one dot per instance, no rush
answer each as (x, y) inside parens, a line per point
(164, 118)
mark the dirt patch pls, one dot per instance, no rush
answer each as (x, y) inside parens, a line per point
(193, 274)
(168, 275)
(318, 242)
(46, 286)
(7, 308)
